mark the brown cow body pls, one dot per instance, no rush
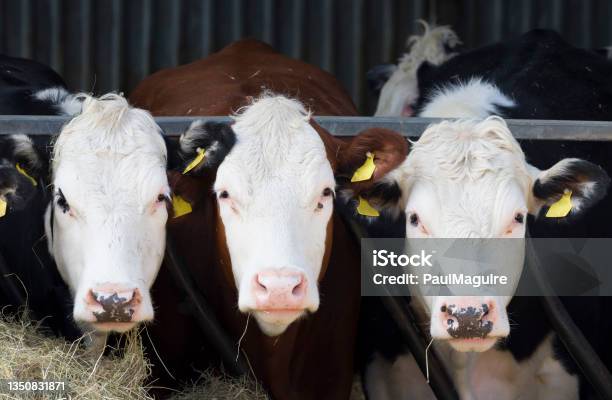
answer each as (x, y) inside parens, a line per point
(220, 84)
(313, 358)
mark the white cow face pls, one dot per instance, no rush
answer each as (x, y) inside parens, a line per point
(106, 224)
(275, 193)
(468, 179)
(275, 196)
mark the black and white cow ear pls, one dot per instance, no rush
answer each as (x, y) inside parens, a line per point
(21, 169)
(567, 189)
(21, 152)
(204, 146)
(366, 171)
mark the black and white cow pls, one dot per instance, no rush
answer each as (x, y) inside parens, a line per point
(29, 276)
(536, 76)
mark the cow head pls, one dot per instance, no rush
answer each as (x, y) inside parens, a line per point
(470, 179)
(106, 224)
(275, 192)
(399, 86)
(20, 170)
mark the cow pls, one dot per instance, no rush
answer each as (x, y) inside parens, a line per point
(31, 88)
(264, 241)
(105, 224)
(30, 280)
(449, 186)
(397, 85)
(536, 76)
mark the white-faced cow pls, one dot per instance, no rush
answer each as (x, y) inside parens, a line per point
(470, 179)
(264, 241)
(537, 76)
(106, 223)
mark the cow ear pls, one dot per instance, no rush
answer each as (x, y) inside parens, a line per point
(204, 146)
(568, 189)
(26, 157)
(365, 170)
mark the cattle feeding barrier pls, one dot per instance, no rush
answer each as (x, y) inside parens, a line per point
(43, 128)
(522, 129)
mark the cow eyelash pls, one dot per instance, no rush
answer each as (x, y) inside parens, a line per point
(414, 219)
(328, 192)
(61, 201)
(161, 198)
(519, 218)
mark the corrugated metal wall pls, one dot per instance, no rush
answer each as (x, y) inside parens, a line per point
(103, 45)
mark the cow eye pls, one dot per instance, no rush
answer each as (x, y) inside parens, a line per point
(61, 201)
(224, 194)
(414, 219)
(327, 192)
(161, 198)
(519, 218)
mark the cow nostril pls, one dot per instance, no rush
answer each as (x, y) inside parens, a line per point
(91, 298)
(298, 290)
(260, 286)
(485, 310)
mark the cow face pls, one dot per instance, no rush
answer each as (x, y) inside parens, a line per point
(106, 223)
(467, 179)
(20, 170)
(275, 193)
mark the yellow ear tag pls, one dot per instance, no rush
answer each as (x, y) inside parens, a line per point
(366, 171)
(24, 173)
(181, 206)
(562, 207)
(196, 161)
(364, 208)
(2, 208)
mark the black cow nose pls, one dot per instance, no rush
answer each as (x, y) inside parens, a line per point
(115, 308)
(467, 322)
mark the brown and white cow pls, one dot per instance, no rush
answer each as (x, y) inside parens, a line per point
(263, 240)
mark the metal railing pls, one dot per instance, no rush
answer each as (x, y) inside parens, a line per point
(345, 126)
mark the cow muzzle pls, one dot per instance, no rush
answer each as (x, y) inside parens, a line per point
(470, 324)
(277, 297)
(113, 307)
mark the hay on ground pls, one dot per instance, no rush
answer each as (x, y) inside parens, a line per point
(26, 354)
(212, 386)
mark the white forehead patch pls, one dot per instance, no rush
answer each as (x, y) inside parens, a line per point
(467, 149)
(275, 142)
(110, 149)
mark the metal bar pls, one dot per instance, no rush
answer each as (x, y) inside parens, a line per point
(587, 359)
(345, 126)
(439, 381)
(211, 328)
(399, 310)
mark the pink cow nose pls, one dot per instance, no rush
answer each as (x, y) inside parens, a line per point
(280, 289)
(113, 303)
